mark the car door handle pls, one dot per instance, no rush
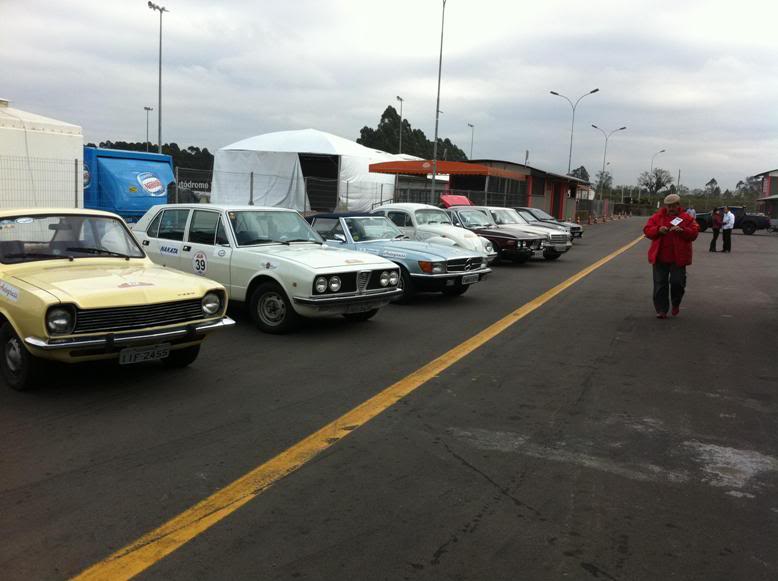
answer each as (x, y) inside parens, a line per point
(187, 248)
(145, 243)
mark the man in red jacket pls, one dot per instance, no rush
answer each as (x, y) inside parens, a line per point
(671, 232)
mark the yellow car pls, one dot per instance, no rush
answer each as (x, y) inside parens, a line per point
(76, 286)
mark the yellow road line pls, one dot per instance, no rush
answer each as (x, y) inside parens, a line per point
(156, 545)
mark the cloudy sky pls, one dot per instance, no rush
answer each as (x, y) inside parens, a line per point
(697, 78)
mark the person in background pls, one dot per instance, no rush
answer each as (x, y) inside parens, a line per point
(716, 221)
(671, 232)
(726, 229)
(692, 212)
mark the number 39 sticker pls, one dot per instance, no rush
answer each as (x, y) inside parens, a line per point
(200, 263)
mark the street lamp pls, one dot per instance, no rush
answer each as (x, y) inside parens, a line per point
(605, 152)
(472, 136)
(651, 171)
(400, 99)
(572, 125)
(161, 9)
(437, 108)
(147, 109)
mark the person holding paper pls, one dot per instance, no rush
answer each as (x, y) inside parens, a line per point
(671, 232)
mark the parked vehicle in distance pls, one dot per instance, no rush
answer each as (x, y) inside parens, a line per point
(556, 244)
(76, 286)
(537, 217)
(511, 243)
(433, 225)
(744, 220)
(271, 259)
(424, 267)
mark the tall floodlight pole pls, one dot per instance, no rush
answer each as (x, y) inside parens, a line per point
(147, 109)
(572, 125)
(161, 9)
(437, 108)
(400, 99)
(605, 151)
(472, 136)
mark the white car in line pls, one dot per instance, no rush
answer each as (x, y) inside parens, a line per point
(271, 259)
(430, 224)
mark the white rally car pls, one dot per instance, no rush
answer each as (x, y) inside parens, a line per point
(271, 259)
(433, 225)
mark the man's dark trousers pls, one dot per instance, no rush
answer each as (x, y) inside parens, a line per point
(713, 241)
(727, 234)
(672, 278)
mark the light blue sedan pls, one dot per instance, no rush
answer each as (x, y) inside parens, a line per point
(425, 267)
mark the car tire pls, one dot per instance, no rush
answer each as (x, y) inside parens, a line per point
(749, 228)
(551, 255)
(181, 357)
(20, 369)
(456, 290)
(361, 316)
(271, 310)
(407, 286)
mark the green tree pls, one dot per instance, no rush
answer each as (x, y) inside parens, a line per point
(191, 158)
(712, 188)
(655, 181)
(580, 173)
(604, 182)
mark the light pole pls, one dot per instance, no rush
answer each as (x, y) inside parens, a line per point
(472, 136)
(400, 99)
(572, 125)
(651, 172)
(437, 108)
(161, 9)
(605, 152)
(147, 125)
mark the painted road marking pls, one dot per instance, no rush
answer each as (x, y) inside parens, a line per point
(152, 547)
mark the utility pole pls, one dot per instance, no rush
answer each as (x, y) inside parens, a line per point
(161, 9)
(400, 99)
(437, 109)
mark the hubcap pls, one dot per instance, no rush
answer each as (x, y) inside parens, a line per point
(272, 309)
(13, 355)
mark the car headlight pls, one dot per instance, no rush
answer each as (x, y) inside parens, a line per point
(335, 283)
(211, 303)
(384, 278)
(394, 278)
(60, 320)
(320, 284)
(483, 263)
(489, 247)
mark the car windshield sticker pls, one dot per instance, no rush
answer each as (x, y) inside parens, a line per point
(9, 292)
(200, 263)
(24, 220)
(168, 250)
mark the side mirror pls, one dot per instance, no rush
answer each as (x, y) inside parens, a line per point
(340, 238)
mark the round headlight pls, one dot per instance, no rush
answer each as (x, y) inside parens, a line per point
(60, 320)
(335, 283)
(211, 303)
(489, 247)
(320, 284)
(394, 278)
(438, 268)
(384, 280)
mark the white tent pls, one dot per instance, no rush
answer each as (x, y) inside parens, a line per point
(274, 161)
(41, 160)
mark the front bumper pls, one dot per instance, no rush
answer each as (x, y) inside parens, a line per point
(560, 247)
(335, 305)
(437, 282)
(192, 332)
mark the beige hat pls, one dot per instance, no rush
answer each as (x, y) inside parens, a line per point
(672, 199)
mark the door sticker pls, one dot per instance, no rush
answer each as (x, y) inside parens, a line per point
(200, 262)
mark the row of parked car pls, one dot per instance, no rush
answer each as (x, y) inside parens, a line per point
(78, 285)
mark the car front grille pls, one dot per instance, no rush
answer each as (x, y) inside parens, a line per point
(463, 264)
(362, 279)
(559, 238)
(137, 317)
(536, 244)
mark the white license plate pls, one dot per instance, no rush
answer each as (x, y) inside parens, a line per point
(469, 278)
(562, 248)
(132, 355)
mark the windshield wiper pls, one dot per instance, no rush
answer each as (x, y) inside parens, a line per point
(400, 237)
(302, 240)
(42, 255)
(258, 241)
(89, 250)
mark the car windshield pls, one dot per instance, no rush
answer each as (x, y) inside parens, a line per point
(432, 216)
(507, 216)
(64, 236)
(474, 219)
(253, 227)
(528, 216)
(541, 215)
(366, 228)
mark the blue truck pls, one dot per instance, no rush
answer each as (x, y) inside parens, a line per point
(126, 182)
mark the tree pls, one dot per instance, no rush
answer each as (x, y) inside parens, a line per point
(191, 158)
(712, 188)
(604, 182)
(386, 137)
(655, 181)
(580, 173)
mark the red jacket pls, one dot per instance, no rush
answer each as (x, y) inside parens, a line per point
(681, 241)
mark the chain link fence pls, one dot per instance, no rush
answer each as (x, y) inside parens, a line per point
(38, 182)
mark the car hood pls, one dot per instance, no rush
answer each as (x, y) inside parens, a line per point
(97, 283)
(316, 257)
(417, 249)
(534, 231)
(462, 236)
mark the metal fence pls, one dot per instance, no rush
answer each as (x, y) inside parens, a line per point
(40, 182)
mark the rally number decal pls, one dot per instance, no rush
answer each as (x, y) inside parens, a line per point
(200, 263)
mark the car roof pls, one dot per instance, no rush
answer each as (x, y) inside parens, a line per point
(227, 207)
(343, 215)
(7, 212)
(407, 206)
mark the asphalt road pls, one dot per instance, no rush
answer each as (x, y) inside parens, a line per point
(587, 441)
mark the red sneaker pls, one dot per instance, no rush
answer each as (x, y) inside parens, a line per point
(661, 315)
(676, 311)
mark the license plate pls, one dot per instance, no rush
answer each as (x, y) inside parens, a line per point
(132, 355)
(560, 248)
(469, 278)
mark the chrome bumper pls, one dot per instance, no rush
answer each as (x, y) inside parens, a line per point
(335, 301)
(453, 274)
(110, 339)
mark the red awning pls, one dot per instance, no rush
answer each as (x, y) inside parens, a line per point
(453, 168)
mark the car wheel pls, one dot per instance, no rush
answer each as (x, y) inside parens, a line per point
(551, 255)
(20, 369)
(456, 290)
(749, 228)
(181, 357)
(271, 310)
(407, 286)
(361, 316)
